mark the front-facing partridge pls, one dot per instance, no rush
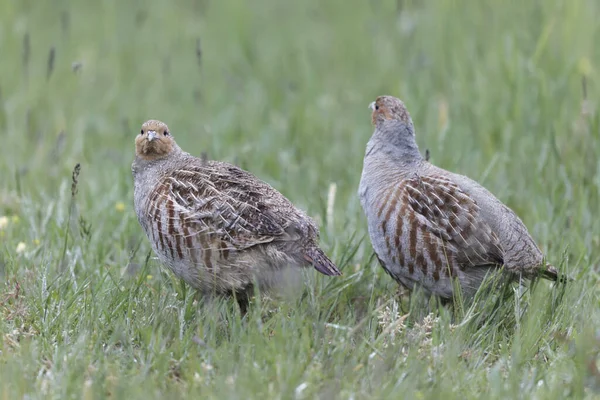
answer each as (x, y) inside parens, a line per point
(429, 226)
(216, 226)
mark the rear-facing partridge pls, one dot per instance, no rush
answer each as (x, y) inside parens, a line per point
(429, 226)
(216, 226)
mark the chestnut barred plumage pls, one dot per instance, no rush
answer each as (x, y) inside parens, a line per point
(214, 225)
(428, 225)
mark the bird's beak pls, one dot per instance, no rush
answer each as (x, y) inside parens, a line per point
(372, 106)
(152, 135)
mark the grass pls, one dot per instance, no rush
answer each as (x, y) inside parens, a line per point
(506, 93)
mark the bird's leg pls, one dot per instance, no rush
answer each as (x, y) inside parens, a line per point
(243, 297)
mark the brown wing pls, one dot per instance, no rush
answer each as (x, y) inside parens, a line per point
(449, 214)
(224, 202)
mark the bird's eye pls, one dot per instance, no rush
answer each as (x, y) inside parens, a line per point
(166, 133)
(142, 132)
(376, 107)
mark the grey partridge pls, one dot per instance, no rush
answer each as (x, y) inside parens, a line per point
(216, 226)
(428, 226)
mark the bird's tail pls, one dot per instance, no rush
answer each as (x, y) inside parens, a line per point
(551, 273)
(321, 262)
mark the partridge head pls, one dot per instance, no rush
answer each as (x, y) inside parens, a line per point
(429, 226)
(154, 141)
(214, 225)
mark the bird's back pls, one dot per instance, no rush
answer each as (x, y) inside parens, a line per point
(211, 215)
(202, 183)
(520, 252)
(418, 236)
(428, 225)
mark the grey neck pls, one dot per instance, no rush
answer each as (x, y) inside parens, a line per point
(395, 140)
(140, 165)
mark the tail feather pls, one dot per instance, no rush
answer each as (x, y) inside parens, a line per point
(551, 273)
(321, 262)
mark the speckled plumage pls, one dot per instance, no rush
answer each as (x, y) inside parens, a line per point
(428, 225)
(214, 225)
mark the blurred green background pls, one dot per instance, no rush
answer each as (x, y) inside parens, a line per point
(505, 92)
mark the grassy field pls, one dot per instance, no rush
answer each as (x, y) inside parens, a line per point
(505, 92)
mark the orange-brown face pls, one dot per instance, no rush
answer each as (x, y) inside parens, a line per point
(154, 140)
(388, 108)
